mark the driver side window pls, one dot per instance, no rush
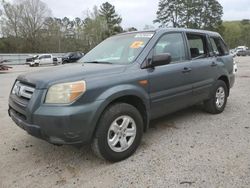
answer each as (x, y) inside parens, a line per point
(172, 44)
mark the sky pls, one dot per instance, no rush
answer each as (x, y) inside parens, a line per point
(138, 13)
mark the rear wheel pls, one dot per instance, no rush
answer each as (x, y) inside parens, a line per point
(217, 103)
(119, 132)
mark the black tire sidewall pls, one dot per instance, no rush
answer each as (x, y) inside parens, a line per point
(105, 122)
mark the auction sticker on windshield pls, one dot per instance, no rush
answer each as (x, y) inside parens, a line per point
(144, 35)
(137, 44)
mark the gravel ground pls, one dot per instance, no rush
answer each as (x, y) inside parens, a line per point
(187, 149)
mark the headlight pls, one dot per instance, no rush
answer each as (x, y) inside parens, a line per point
(65, 93)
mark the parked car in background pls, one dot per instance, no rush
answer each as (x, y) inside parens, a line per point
(4, 67)
(72, 57)
(44, 59)
(109, 98)
(242, 51)
(235, 67)
(31, 59)
(233, 52)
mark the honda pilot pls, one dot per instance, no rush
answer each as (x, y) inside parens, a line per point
(109, 98)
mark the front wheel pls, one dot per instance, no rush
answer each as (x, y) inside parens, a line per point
(119, 132)
(217, 103)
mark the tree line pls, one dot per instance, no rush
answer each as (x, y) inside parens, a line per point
(203, 14)
(196, 14)
(237, 33)
(27, 25)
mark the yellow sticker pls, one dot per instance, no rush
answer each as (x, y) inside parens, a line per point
(137, 44)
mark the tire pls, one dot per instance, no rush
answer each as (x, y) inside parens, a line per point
(119, 132)
(217, 103)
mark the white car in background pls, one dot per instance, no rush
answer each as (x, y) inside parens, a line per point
(45, 59)
(233, 52)
(235, 69)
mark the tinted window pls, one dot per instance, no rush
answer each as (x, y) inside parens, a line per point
(197, 45)
(173, 44)
(218, 46)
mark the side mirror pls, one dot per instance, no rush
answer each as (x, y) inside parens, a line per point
(161, 59)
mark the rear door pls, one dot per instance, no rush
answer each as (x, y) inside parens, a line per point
(222, 57)
(42, 59)
(48, 59)
(221, 52)
(204, 66)
(170, 85)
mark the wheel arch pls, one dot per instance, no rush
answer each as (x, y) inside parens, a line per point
(133, 99)
(225, 79)
(138, 103)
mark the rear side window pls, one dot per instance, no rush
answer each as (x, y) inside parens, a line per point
(173, 44)
(218, 46)
(197, 45)
(42, 57)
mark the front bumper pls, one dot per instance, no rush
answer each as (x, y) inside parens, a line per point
(33, 130)
(57, 125)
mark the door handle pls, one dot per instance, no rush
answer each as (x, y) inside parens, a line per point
(186, 70)
(213, 64)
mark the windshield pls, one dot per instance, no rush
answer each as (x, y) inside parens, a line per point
(120, 49)
(67, 54)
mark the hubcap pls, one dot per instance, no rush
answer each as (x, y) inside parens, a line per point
(220, 97)
(121, 134)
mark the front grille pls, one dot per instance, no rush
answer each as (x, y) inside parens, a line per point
(23, 91)
(18, 114)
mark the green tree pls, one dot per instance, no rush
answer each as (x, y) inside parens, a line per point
(209, 14)
(170, 12)
(236, 33)
(245, 30)
(95, 29)
(198, 14)
(107, 11)
(232, 33)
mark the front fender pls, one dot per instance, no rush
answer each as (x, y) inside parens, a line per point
(116, 92)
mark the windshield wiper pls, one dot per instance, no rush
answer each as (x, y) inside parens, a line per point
(101, 62)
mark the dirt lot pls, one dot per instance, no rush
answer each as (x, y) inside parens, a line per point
(187, 149)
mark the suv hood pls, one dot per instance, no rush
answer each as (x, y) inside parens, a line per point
(44, 78)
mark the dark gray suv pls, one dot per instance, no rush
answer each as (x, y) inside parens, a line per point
(109, 98)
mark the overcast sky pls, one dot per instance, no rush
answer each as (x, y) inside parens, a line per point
(138, 13)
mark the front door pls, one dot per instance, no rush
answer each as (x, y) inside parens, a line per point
(170, 85)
